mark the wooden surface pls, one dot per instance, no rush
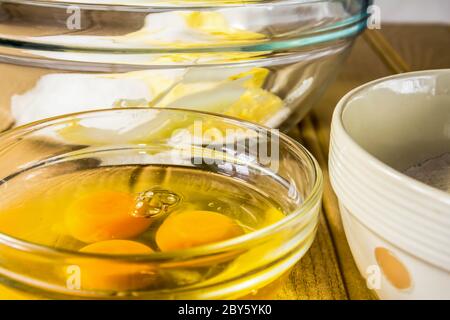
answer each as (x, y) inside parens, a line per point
(328, 270)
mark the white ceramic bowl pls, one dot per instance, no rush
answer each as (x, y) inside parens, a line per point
(398, 228)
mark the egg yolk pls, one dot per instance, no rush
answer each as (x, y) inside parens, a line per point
(117, 276)
(103, 216)
(119, 247)
(194, 228)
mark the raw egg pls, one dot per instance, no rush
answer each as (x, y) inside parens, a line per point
(194, 228)
(103, 216)
(119, 247)
(99, 274)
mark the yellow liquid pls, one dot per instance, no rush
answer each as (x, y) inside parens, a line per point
(40, 202)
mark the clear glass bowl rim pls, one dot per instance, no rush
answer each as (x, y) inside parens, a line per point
(345, 28)
(167, 3)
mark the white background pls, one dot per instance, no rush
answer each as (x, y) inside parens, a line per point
(413, 11)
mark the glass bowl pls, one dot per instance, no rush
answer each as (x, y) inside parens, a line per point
(261, 61)
(60, 148)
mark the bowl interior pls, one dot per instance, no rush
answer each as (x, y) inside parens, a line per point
(282, 170)
(169, 140)
(404, 120)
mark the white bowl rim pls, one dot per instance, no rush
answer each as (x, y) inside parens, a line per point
(406, 181)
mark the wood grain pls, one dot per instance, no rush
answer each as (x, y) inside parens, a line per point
(315, 132)
(316, 276)
(354, 284)
(421, 46)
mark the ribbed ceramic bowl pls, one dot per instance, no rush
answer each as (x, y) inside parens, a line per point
(398, 228)
(264, 61)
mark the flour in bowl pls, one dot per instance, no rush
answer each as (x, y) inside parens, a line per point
(435, 172)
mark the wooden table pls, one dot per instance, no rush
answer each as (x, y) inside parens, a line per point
(328, 270)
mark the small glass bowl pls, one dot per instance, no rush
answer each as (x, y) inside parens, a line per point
(285, 173)
(260, 61)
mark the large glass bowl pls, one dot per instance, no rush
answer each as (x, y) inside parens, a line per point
(279, 168)
(263, 60)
